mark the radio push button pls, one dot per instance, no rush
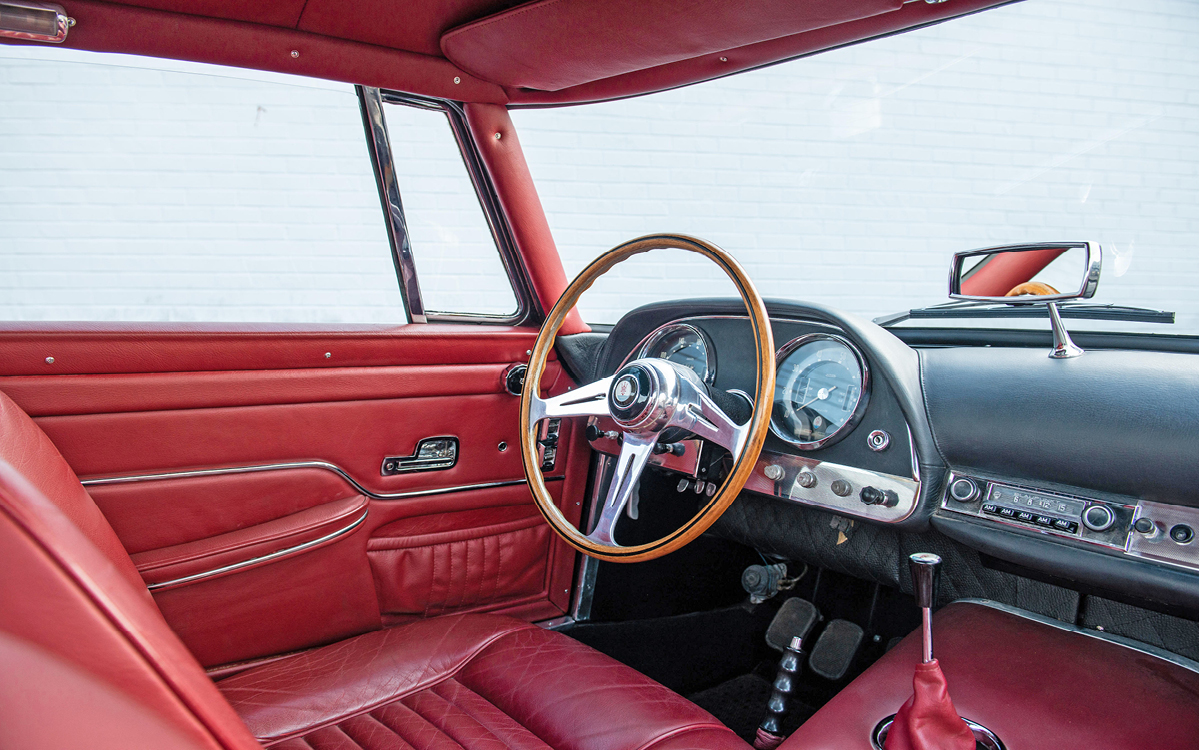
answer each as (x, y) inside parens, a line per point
(1068, 526)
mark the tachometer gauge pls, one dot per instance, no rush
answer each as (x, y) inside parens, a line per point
(821, 389)
(684, 345)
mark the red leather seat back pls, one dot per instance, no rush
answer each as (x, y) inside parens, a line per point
(25, 448)
(74, 601)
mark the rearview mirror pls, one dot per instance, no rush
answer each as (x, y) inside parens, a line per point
(1042, 272)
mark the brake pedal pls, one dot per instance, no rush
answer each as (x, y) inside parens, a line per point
(835, 649)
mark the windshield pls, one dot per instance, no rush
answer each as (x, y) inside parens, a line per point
(851, 177)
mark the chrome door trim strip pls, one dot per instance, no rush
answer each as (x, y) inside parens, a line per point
(261, 559)
(389, 194)
(302, 465)
(1118, 640)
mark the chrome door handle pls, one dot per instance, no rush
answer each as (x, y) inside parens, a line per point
(431, 454)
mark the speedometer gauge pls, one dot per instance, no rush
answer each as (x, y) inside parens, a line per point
(821, 390)
(684, 345)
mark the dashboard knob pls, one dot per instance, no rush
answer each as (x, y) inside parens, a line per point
(1143, 525)
(1182, 533)
(964, 490)
(774, 472)
(1098, 517)
(806, 479)
(875, 496)
(841, 487)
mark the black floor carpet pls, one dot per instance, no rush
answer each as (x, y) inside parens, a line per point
(740, 704)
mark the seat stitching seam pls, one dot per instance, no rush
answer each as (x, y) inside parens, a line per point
(465, 712)
(485, 699)
(416, 713)
(395, 731)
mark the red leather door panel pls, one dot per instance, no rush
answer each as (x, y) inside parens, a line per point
(307, 542)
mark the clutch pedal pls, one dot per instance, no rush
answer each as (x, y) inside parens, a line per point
(835, 649)
(795, 619)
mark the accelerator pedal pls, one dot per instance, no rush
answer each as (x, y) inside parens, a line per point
(835, 649)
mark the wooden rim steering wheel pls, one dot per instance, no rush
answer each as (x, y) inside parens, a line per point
(646, 397)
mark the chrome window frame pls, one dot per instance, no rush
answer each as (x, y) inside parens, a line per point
(371, 101)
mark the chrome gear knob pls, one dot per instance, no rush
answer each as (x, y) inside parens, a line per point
(925, 568)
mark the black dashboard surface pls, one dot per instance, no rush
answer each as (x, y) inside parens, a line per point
(1114, 422)
(1119, 425)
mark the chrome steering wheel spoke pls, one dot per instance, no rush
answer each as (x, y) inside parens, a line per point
(635, 452)
(590, 400)
(705, 419)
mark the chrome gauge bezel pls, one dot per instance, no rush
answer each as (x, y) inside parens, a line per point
(658, 334)
(860, 406)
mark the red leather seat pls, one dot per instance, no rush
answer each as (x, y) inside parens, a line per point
(96, 665)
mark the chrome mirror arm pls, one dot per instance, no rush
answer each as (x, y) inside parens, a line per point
(1064, 347)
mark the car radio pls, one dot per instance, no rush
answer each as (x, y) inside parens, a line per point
(1091, 520)
(1155, 531)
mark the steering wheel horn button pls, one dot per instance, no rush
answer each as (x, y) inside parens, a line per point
(633, 389)
(625, 390)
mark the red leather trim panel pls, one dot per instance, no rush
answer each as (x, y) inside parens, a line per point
(354, 435)
(167, 422)
(313, 598)
(1035, 686)
(94, 348)
(730, 61)
(482, 561)
(187, 35)
(505, 162)
(551, 45)
(166, 513)
(245, 545)
(107, 27)
(478, 681)
(60, 395)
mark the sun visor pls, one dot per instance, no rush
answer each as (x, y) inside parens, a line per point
(554, 44)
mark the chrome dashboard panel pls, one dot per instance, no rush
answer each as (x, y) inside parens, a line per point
(823, 476)
(1157, 543)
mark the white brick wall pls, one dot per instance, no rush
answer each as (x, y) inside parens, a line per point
(136, 189)
(850, 178)
(847, 178)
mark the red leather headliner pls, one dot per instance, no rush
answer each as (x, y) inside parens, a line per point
(369, 42)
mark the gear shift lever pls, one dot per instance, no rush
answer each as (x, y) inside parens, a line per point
(928, 721)
(926, 568)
